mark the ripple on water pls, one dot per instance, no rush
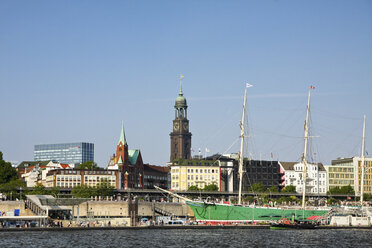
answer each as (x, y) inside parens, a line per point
(188, 238)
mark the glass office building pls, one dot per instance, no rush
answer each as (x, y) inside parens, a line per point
(68, 153)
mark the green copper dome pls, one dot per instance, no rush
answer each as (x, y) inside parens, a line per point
(181, 101)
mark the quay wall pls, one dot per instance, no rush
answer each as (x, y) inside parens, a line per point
(110, 209)
(10, 206)
(121, 209)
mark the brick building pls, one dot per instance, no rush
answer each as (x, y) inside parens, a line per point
(129, 163)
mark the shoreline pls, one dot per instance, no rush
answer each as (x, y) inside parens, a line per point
(56, 229)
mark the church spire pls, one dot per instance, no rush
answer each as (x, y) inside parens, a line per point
(122, 135)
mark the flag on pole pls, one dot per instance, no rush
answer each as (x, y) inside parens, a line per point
(312, 87)
(207, 150)
(182, 76)
(247, 85)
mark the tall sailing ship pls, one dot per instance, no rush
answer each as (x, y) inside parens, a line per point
(221, 213)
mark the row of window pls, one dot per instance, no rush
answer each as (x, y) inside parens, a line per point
(341, 169)
(313, 175)
(313, 183)
(86, 178)
(333, 175)
(156, 177)
(321, 190)
(69, 178)
(100, 172)
(202, 171)
(206, 177)
(196, 170)
(346, 182)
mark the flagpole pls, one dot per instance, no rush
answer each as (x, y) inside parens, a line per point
(362, 162)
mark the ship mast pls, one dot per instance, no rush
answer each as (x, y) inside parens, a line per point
(242, 146)
(304, 162)
(362, 162)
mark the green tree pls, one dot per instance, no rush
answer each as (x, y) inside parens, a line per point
(193, 188)
(289, 189)
(273, 189)
(7, 172)
(367, 197)
(347, 190)
(83, 191)
(104, 189)
(54, 191)
(344, 190)
(211, 187)
(11, 187)
(257, 187)
(89, 165)
(38, 189)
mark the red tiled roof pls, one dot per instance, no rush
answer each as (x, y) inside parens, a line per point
(64, 166)
(30, 168)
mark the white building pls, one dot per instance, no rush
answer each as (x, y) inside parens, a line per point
(37, 172)
(316, 177)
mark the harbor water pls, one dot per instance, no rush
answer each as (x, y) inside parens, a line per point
(189, 238)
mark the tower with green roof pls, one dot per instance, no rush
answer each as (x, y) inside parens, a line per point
(122, 149)
(180, 137)
(129, 163)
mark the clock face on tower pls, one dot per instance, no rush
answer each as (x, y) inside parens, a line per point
(176, 126)
(185, 126)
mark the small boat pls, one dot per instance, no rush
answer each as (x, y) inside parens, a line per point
(298, 224)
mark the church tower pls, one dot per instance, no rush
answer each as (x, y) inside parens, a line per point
(122, 150)
(180, 138)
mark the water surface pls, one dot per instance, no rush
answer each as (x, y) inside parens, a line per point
(189, 238)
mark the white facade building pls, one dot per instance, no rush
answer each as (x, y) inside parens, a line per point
(316, 177)
(38, 173)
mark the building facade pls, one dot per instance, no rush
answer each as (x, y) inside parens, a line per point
(155, 176)
(200, 173)
(316, 177)
(267, 173)
(69, 153)
(348, 171)
(180, 137)
(70, 178)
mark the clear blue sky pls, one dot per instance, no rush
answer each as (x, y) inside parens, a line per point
(74, 70)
